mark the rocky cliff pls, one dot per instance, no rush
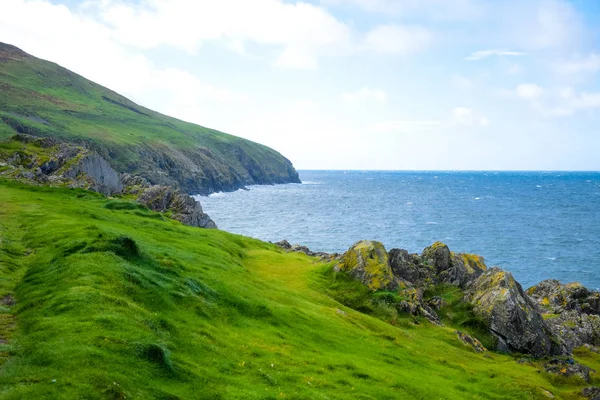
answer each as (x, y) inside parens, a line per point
(46, 161)
(40, 98)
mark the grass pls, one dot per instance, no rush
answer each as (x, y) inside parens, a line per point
(110, 304)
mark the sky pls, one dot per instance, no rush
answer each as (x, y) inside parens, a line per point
(347, 84)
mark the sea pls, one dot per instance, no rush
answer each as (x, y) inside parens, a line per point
(537, 225)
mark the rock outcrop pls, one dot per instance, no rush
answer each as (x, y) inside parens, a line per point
(367, 261)
(59, 164)
(571, 311)
(512, 316)
(296, 248)
(184, 208)
(456, 269)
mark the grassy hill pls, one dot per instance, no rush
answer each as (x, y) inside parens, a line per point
(44, 99)
(101, 299)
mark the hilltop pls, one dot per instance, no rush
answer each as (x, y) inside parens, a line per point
(44, 99)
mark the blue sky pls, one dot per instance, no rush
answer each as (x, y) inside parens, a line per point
(348, 84)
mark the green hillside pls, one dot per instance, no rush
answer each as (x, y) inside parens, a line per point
(101, 299)
(44, 99)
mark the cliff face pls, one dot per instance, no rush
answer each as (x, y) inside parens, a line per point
(43, 99)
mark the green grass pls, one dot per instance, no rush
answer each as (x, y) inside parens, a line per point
(112, 305)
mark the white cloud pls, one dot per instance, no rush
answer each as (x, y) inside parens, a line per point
(468, 118)
(397, 39)
(89, 48)
(589, 64)
(481, 54)
(404, 126)
(529, 91)
(365, 94)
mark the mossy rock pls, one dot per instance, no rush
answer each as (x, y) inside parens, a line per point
(367, 261)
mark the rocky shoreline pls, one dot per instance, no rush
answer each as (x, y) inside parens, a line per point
(549, 320)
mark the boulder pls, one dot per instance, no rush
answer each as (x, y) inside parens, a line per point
(455, 269)
(568, 367)
(471, 342)
(592, 392)
(512, 317)
(184, 207)
(576, 329)
(411, 268)
(555, 297)
(367, 261)
(571, 310)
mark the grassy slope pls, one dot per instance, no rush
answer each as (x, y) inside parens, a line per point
(115, 304)
(50, 100)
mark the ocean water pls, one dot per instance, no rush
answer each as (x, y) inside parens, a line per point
(537, 225)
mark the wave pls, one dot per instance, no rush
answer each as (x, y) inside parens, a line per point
(311, 183)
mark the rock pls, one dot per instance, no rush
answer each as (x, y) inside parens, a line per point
(284, 244)
(455, 269)
(568, 367)
(572, 311)
(411, 268)
(512, 317)
(184, 207)
(134, 184)
(592, 392)
(367, 261)
(437, 303)
(555, 297)
(302, 249)
(104, 179)
(412, 303)
(471, 342)
(576, 329)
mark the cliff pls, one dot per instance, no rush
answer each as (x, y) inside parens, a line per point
(43, 99)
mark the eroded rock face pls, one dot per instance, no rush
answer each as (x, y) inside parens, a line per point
(104, 179)
(455, 269)
(555, 297)
(512, 316)
(411, 268)
(571, 311)
(184, 207)
(367, 261)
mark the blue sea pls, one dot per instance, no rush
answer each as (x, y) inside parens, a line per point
(537, 225)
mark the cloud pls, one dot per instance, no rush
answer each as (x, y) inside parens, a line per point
(404, 126)
(84, 45)
(467, 117)
(397, 39)
(365, 94)
(589, 64)
(481, 54)
(529, 91)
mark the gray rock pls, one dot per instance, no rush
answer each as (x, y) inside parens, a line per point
(512, 317)
(184, 207)
(104, 179)
(284, 244)
(455, 269)
(555, 297)
(471, 342)
(576, 329)
(592, 392)
(568, 367)
(411, 268)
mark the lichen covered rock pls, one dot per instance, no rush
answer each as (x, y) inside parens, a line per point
(367, 261)
(556, 297)
(511, 315)
(455, 269)
(411, 268)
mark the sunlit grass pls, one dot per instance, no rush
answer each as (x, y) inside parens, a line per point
(113, 303)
